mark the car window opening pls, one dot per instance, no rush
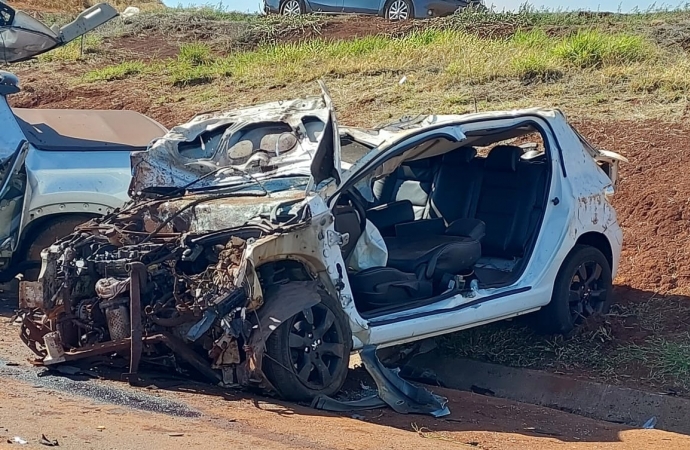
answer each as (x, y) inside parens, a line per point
(446, 217)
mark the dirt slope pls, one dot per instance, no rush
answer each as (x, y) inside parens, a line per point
(653, 202)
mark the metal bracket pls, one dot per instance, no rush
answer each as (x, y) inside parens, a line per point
(339, 239)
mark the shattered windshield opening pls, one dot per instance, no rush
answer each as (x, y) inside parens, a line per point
(239, 147)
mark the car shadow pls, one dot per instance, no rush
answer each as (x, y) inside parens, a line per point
(470, 413)
(9, 299)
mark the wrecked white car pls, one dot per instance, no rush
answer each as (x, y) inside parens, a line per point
(250, 256)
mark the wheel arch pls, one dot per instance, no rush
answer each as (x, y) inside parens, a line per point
(296, 271)
(600, 242)
(35, 226)
(312, 268)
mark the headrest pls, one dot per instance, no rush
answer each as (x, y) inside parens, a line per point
(531, 154)
(462, 155)
(503, 158)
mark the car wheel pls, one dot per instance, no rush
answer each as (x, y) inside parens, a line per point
(583, 288)
(399, 10)
(43, 237)
(308, 355)
(291, 8)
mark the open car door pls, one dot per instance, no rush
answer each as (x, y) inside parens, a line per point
(22, 37)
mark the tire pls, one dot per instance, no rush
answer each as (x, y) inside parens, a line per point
(399, 10)
(292, 8)
(572, 300)
(44, 236)
(290, 350)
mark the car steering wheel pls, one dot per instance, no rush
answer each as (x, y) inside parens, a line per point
(358, 205)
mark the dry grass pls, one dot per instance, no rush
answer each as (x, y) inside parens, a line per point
(640, 342)
(76, 6)
(446, 70)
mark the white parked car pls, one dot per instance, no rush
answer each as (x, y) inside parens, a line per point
(251, 256)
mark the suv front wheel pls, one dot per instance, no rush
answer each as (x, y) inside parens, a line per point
(45, 235)
(582, 289)
(398, 10)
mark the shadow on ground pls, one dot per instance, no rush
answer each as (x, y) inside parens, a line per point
(470, 412)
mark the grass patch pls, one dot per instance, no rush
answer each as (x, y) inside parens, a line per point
(73, 50)
(219, 12)
(660, 360)
(462, 63)
(535, 38)
(536, 67)
(520, 346)
(592, 48)
(195, 54)
(117, 72)
(188, 75)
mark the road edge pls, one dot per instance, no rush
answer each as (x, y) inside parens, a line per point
(587, 398)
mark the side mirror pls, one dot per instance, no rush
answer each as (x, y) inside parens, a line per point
(9, 83)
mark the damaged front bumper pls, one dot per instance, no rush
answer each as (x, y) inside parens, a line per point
(153, 284)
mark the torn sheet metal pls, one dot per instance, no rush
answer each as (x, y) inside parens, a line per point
(257, 143)
(22, 37)
(403, 396)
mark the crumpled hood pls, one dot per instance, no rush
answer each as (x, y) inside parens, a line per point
(247, 145)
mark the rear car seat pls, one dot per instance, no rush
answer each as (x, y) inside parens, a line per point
(500, 191)
(455, 191)
(510, 201)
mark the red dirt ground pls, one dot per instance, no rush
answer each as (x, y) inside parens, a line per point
(653, 202)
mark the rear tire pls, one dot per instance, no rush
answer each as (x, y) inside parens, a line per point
(583, 288)
(399, 10)
(292, 8)
(44, 236)
(308, 354)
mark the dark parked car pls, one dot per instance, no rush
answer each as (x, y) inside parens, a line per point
(390, 9)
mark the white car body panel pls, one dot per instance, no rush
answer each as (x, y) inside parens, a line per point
(59, 182)
(582, 208)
